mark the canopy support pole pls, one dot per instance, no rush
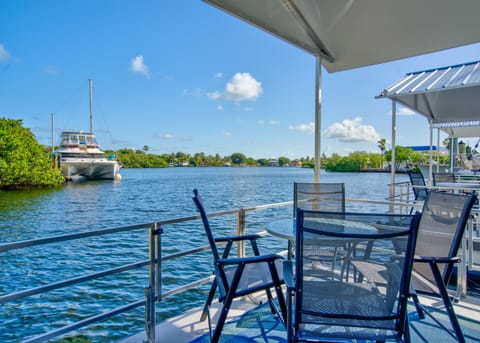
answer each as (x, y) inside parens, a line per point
(430, 164)
(393, 161)
(318, 117)
(438, 150)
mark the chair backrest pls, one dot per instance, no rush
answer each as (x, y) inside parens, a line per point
(418, 184)
(206, 224)
(319, 197)
(443, 223)
(344, 306)
(443, 177)
(255, 276)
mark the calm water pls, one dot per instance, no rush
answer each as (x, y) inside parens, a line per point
(143, 196)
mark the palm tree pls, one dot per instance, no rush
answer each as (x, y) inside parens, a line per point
(382, 146)
(446, 143)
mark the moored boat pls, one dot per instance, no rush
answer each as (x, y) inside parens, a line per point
(79, 156)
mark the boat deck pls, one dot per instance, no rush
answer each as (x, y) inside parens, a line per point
(250, 321)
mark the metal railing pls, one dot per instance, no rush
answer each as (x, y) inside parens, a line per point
(153, 292)
(154, 262)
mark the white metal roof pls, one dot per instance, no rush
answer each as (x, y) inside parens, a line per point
(461, 129)
(449, 97)
(353, 33)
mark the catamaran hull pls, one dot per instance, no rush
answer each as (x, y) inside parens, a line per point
(92, 170)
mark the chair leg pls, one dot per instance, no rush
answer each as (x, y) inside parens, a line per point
(223, 317)
(418, 307)
(447, 302)
(270, 300)
(227, 303)
(406, 330)
(279, 292)
(209, 300)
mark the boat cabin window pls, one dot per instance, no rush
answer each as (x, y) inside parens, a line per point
(91, 140)
(74, 139)
(82, 139)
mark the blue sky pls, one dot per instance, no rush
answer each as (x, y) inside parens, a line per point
(180, 75)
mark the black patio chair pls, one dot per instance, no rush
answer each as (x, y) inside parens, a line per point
(239, 276)
(331, 309)
(419, 187)
(318, 197)
(443, 223)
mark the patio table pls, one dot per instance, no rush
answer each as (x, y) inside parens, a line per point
(285, 229)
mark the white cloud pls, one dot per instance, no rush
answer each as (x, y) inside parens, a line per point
(242, 86)
(167, 136)
(218, 75)
(138, 66)
(219, 108)
(4, 54)
(226, 133)
(352, 131)
(404, 111)
(307, 128)
(215, 95)
(270, 122)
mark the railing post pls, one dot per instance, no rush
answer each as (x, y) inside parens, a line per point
(153, 292)
(158, 259)
(241, 232)
(149, 315)
(408, 198)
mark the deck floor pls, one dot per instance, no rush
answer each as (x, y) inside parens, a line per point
(250, 322)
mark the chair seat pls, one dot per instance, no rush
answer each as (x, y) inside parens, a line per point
(332, 315)
(356, 299)
(254, 276)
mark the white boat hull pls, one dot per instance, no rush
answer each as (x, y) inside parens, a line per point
(92, 169)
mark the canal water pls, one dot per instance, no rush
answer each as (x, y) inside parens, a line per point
(142, 196)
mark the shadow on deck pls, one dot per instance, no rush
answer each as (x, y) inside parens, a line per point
(250, 322)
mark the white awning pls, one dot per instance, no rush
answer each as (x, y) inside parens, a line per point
(348, 34)
(449, 96)
(460, 129)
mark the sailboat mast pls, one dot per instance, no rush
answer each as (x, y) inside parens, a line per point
(53, 149)
(90, 93)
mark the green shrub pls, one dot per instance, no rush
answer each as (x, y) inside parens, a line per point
(23, 162)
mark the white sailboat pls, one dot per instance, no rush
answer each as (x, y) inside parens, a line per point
(79, 155)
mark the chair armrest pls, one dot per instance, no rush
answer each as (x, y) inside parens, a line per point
(251, 259)
(429, 259)
(238, 238)
(288, 274)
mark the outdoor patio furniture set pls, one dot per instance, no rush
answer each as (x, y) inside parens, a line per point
(347, 275)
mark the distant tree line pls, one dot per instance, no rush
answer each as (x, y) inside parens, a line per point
(141, 158)
(354, 162)
(360, 160)
(24, 163)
